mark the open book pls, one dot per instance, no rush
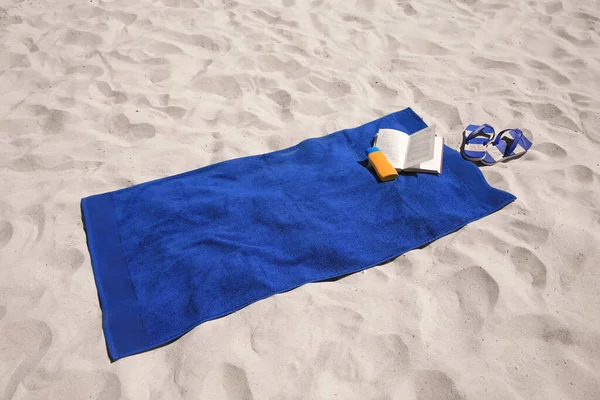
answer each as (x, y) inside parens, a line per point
(420, 152)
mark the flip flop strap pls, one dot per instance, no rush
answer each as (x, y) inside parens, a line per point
(480, 131)
(518, 134)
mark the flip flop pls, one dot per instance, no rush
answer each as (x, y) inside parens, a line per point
(476, 138)
(509, 143)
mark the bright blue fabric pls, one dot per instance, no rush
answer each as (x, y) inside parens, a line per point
(517, 137)
(479, 134)
(170, 254)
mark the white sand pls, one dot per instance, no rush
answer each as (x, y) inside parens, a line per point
(99, 95)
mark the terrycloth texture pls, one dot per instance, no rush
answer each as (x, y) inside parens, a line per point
(172, 253)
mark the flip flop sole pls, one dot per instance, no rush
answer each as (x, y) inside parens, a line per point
(472, 158)
(503, 159)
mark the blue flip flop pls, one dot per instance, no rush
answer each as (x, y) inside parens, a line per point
(509, 143)
(476, 138)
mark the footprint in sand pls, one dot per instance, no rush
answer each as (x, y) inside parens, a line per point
(228, 4)
(379, 357)
(6, 233)
(80, 384)
(30, 44)
(204, 42)
(333, 89)
(546, 111)
(22, 346)
(14, 60)
(106, 90)
(6, 20)
(143, 130)
(119, 125)
(172, 111)
(68, 259)
(37, 217)
(55, 122)
(317, 107)
(590, 121)
(529, 267)
(581, 43)
(160, 75)
(443, 111)
(320, 26)
(565, 122)
(529, 233)
(580, 174)
(539, 326)
(477, 291)
(225, 86)
(549, 149)
(360, 23)
(75, 37)
(547, 70)
(227, 381)
(426, 47)
(292, 69)
(161, 48)
(189, 4)
(580, 255)
(407, 8)
(281, 98)
(124, 17)
(459, 303)
(488, 64)
(434, 385)
(89, 70)
(580, 99)
(365, 5)
(276, 20)
(554, 7)
(381, 88)
(494, 178)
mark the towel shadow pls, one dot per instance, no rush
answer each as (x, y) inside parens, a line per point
(337, 278)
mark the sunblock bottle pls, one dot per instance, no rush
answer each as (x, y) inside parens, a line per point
(384, 169)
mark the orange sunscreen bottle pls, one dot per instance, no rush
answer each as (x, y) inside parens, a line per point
(385, 170)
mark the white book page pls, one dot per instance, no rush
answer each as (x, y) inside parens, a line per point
(404, 150)
(435, 164)
(421, 146)
(393, 143)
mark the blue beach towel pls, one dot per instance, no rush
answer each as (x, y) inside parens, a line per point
(172, 253)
